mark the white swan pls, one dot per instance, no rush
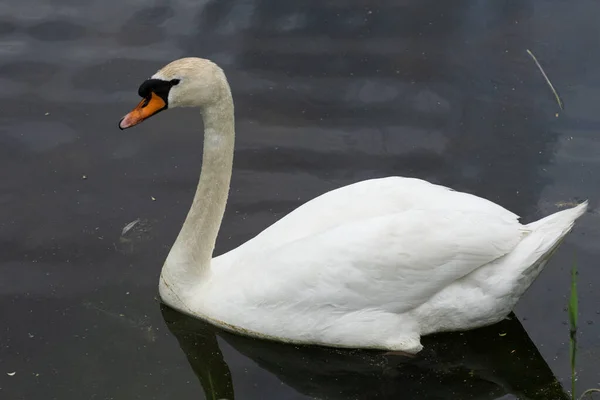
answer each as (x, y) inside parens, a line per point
(375, 264)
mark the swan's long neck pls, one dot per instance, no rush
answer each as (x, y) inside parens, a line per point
(189, 259)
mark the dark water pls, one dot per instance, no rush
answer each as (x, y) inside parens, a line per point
(327, 92)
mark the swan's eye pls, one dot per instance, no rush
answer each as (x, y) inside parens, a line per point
(175, 81)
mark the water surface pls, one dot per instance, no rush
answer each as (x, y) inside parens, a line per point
(327, 93)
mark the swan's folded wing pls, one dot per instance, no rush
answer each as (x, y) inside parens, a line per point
(394, 262)
(359, 201)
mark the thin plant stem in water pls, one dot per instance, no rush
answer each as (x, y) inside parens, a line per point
(573, 312)
(558, 99)
(589, 392)
(573, 309)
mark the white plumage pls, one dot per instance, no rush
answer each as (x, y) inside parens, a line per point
(375, 264)
(359, 269)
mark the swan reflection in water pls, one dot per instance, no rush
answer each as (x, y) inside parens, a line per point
(488, 363)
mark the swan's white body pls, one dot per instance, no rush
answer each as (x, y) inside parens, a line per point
(375, 264)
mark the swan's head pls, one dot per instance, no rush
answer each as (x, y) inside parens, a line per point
(187, 82)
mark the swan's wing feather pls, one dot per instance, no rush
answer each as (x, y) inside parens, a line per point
(360, 201)
(394, 262)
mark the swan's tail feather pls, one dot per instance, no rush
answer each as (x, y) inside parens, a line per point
(544, 238)
(562, 220)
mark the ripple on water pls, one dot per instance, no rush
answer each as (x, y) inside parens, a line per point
(39, 137)
(55, 31)
(6, 28)
(113, 75)
(143, 28)
(32, 72)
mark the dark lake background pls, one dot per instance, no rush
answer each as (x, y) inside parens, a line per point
(327, 93)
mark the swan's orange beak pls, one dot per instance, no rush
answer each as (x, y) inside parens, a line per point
(148, 107)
